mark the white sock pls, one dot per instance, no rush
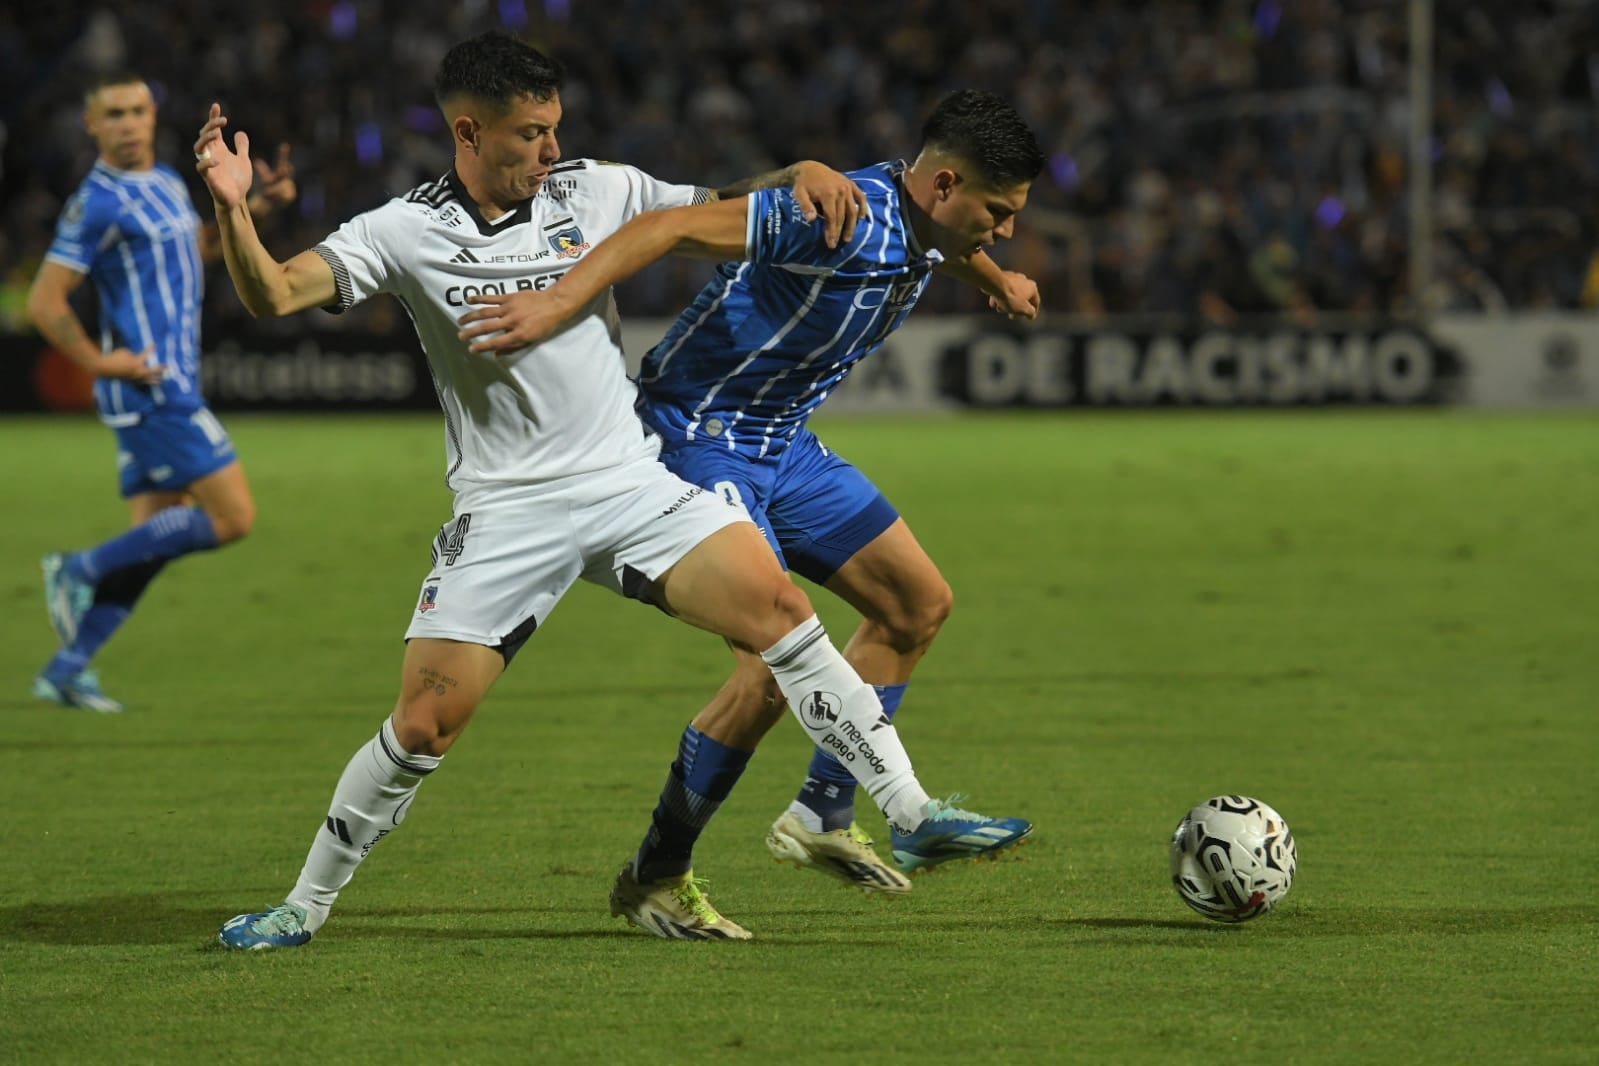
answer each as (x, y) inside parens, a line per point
(844, 718)
(369, 803)
(807, 817)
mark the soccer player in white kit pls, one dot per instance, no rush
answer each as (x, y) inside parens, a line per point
(554, 480)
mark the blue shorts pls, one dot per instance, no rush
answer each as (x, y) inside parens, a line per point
(167, 451)
(815, 508)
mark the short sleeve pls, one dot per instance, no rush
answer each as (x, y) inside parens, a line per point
(640, 192)
(84, 227)
(778, 234)
(363, 253)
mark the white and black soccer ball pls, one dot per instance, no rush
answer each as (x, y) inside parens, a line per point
(1233, 858)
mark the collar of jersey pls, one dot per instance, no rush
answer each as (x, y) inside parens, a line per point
(896, 170)
(523, 211)
(127, 175)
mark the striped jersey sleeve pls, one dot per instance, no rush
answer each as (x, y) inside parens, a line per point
(87, 224)
(778, 234)
(363, 253)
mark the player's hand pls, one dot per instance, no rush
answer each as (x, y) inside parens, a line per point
(277, 182)
(505, 322)
(125, 365)
(226, 170)
(819, 189)
(1020, 298)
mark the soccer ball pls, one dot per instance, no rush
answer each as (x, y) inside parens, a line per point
(1233, 858)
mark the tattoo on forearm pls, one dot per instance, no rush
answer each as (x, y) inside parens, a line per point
(772, 179)
(432, 679)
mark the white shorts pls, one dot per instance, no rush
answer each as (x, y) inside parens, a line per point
(512, 551)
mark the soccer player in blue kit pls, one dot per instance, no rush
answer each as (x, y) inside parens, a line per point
(131, 227)
(731, 387)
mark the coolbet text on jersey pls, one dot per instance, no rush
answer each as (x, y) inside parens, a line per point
(560, 408)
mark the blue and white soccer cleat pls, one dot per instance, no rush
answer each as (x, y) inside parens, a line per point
(82, 693)
(951, 833)
(281, 927)
(67, 597)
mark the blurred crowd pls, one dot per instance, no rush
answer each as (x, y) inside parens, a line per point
(1206, 157)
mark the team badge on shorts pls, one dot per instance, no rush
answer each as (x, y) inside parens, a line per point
(430, 598)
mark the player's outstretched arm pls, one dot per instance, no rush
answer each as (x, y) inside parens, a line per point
(267, 287)
(275, 190)
(1009, 293)
(819, 189)
(514, 320)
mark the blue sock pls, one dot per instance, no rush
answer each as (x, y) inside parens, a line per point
(700, 779)
(170, 533)
(94, 629)
(829, 788)
(114, 598)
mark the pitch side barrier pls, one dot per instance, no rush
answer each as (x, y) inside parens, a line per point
(1478, 361)
(1511, 361)
(954, 363)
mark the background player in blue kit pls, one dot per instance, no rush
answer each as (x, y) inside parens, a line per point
(732, 385)
(132, 229)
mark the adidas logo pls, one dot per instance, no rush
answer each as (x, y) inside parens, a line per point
(464, 256)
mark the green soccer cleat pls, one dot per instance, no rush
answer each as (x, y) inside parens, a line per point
(674, 908)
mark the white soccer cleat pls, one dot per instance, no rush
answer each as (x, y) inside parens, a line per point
(842, 853)
(674, 908)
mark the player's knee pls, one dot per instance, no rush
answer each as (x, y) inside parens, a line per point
(234, 523)
(790, 605)
(421, 735)
(938, 607)
(783, 606)
(425, 726)
(914, 622)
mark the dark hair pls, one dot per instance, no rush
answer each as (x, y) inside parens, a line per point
(108, 78)
(497, 69)
(986, 131)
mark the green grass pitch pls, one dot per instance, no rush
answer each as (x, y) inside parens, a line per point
(1385, 625)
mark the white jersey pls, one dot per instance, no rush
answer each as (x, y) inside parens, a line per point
(543, 412)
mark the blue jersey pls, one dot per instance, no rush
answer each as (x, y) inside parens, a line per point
(135, 233)
(765, 342)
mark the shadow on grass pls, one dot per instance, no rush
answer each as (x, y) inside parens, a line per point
(117, 742)
(117, 921)
(1130, 923)
(1355, 921)
(163, 919)
(1141, 678)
